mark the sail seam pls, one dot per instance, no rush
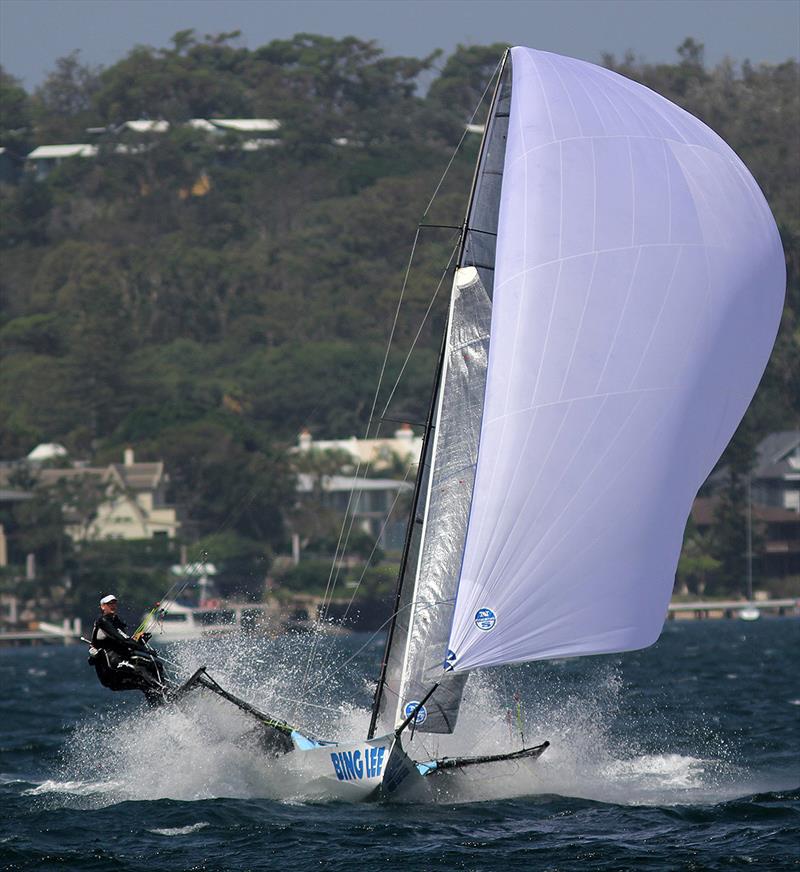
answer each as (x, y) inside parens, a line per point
(583, 398)
(611, 250)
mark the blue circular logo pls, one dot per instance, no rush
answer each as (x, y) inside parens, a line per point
(422, 714)
(485, 619)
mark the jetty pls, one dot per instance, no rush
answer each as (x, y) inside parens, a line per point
(42, 632)
(703, 609)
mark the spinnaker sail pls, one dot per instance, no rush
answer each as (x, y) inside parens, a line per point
(639, 283)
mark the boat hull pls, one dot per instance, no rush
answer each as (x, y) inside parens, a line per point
(351, 771)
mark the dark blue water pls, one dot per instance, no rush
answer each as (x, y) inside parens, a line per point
(684, 756)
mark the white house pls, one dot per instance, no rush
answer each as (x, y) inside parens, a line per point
(45, 158)
(134, 507)
(375, 453)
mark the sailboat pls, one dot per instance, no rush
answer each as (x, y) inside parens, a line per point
(617, 293)
(749, 612)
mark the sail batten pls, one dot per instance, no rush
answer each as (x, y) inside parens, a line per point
(639, 282)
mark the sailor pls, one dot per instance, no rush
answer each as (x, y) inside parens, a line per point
(123, 662)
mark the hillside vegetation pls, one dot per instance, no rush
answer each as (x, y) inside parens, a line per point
(204, 303)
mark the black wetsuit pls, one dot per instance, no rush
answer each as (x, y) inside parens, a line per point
(110, 633)
(121, 662)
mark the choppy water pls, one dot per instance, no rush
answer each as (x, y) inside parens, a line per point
(684, 756)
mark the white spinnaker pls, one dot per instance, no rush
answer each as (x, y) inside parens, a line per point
(638, 290)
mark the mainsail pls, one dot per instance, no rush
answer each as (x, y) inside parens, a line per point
(417, 643)
(638, 290)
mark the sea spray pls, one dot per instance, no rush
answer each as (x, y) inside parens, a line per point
(604, 746)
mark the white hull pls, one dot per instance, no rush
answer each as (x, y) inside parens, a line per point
(351, 771)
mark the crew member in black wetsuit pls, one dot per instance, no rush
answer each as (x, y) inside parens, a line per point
(123, 662)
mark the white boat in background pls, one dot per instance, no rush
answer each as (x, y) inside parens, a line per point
(749, 612)
(174, 622)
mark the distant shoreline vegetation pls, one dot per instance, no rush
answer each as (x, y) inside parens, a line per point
(205, 299)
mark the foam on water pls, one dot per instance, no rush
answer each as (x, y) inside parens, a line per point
(205, 748)
(180, 831)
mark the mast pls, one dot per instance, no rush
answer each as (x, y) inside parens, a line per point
(749, 540)
(428, 435)
(481, 154)
(412, 519)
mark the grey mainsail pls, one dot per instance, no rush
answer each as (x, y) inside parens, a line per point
(417, 645)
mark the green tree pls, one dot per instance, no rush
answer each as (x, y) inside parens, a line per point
(327, 89)
(228, 480)
(730, 528)
(93, 304)
(697, 564)
(192, 79)
(16, 126)
(461, 93)
(312, 517)
(63, 102)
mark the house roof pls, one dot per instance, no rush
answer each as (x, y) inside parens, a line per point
(52, 475)
(704, 509)
(8, 495)
(51, 152)
(135, 476)
(242, 125)
(247, 125)
(145, 125)
(47, 451)
(778, 455)
(140, 476)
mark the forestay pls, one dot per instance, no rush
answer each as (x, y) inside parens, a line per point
(638, 289)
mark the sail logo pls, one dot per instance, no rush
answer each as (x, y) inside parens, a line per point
(485, 619)
(355, 766)
(450, 660)
(422, 714)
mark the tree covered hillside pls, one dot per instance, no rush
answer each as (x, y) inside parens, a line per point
(204, 300)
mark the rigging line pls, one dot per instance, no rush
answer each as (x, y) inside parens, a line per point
(341, 546)
(386, 420)
(419, 330)
(171, 595)
(369, 425)
(332, 576)
(463, 227)
(346, 537)
(326, 605)
(375, 546)
(328, 676)
(463, 135)
(340, 552)
(394, 327)
(416, 234)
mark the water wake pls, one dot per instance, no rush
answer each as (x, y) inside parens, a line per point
(204, 748)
